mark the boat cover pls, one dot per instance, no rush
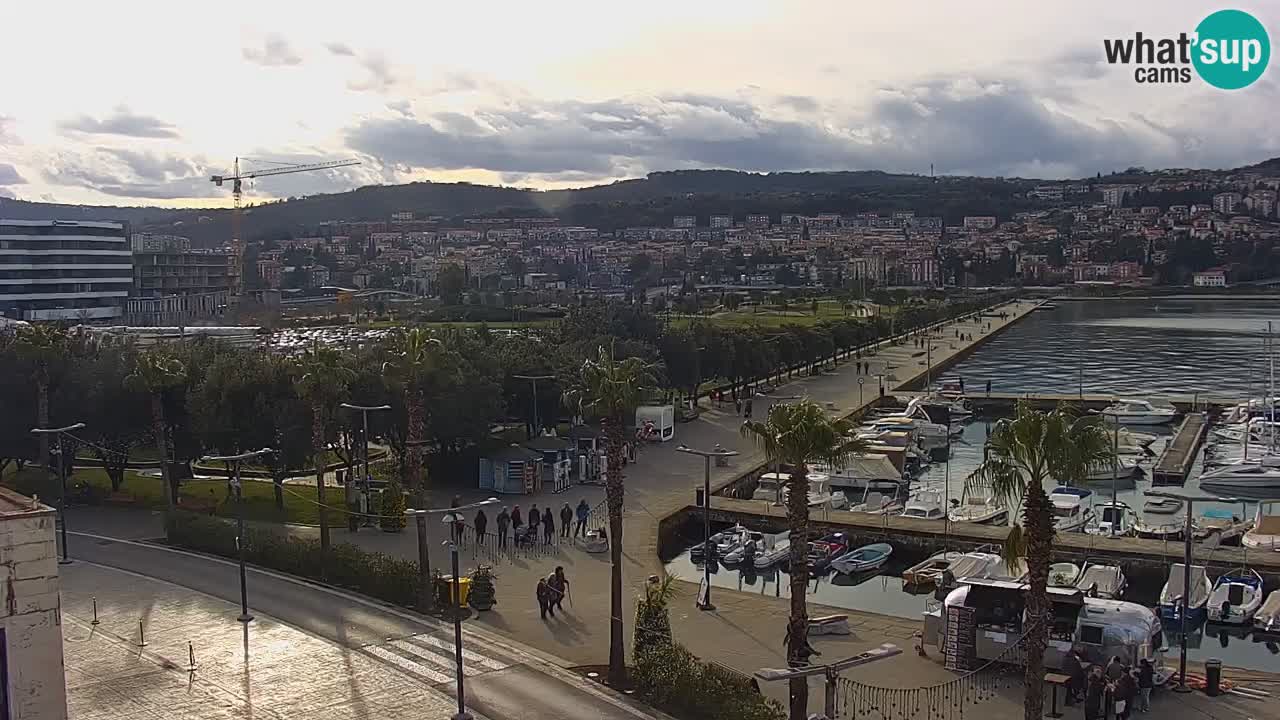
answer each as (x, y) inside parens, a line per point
(1173, 588)
(1268, 616)
(1106, 578)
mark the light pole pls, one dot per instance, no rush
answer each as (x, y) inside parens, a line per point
(706, 455)
(537, 426)
(462, 713)
(425, 600)
(1115, 465)
(831, 672)
(1186, 574)
(62, 481)
(233, 478)
(364, 411)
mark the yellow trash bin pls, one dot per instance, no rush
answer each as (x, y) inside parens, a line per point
(464, 589)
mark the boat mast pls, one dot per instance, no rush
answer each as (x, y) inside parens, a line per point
(1271, 393)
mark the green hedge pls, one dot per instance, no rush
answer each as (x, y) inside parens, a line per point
(375, 574)
(675, 681)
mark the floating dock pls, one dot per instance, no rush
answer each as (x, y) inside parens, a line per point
(1180, 453)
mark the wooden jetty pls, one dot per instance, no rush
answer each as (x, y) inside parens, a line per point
(1180, 453)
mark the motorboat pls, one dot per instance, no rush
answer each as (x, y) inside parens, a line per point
(1126, 467)
(1163, 505)
(1265, 533)
(862, 471)
(927, 572)
(1063, 574)
(1156, 530)
(1072, 508)
(721, 543)
(1228, 526)
(1257, 474)
(822, 552)
(820, 494)
(1267, 619)
(1098, 579)
(944, 412)
(927, 431)
(1258, 429)
(984, 563)
(1132, 439)
(1112, 519)
(925, 505)
(1100, 628)
(864, 559)
(1236, 597)
(1171, 597)
(951, 388)
(1132, 411)
(776, 550)
(769, 488)
(875, 502)
(746, 550)
(980, 505)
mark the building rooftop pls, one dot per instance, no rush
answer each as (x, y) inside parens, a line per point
(14, 505)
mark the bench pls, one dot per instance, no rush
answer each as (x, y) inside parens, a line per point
(1057, 680)
(829, 625)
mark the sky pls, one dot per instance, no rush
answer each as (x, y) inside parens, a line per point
(138, 102)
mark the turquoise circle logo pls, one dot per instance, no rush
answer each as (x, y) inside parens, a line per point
(1232, 49)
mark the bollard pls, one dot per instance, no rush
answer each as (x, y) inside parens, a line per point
(191, 657)
(95, 612)
(142, 636)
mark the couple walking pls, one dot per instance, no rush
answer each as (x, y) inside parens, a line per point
(551, 592)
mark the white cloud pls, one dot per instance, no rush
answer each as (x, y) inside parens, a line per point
(275, 51)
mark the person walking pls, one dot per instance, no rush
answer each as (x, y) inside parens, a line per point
(566, 520)
(1094, 696)
(988, 388)
(559, 585)
(548, 526)
(544, 599)
(746, 410)
(583, 512)
(1115, 669)
(961, 379)
(504, 521)
(482, 524)
(534, 518)
(1146, 681)
(517, 522)
(1126, 691)
(1072, 668)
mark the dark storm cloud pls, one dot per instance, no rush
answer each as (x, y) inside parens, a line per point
(274, 52)
(961, 125)
(121, 122)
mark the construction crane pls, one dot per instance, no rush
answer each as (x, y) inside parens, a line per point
(236, 179)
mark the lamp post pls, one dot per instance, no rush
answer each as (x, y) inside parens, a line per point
(1186, 574)
(233, 477)
(537, 425)
(462, 713)
(62, 481)
(831, 672)
(425, 600)
(364, 411)
(706, 455)
(1115, 465)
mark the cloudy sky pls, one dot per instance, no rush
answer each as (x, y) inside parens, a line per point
(137, 102)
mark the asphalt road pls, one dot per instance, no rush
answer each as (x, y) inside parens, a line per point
(530, 689)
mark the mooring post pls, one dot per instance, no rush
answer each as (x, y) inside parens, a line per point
(95, 612)
(142, 636)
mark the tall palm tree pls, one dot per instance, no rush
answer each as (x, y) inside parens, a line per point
(795, 434)
(322, 381)
(155, 372)
(416, 357)
(1025, 452)
(609, 389)
(42, 347)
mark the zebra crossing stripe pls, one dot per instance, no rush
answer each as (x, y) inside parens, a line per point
(439, 643)
(409, 666)
(436, 657)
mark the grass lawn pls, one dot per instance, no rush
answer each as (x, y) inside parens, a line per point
(299, 501)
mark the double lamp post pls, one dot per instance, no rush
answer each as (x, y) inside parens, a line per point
(704, 602)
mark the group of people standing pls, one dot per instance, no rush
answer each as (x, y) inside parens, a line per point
(526, 530)
(1118, 688)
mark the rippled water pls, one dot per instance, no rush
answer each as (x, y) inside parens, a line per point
(1131, 347)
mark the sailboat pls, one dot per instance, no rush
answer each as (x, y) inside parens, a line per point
(1261, 473)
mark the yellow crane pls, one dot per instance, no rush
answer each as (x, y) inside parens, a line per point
(236, 179)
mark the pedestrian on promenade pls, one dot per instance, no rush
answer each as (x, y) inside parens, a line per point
(544, 598)
(566, 520)
(584, 510)
(961, 379)
(746, 411)
(534, 518)
(504, 520)
(548, 525)
(988, 386)
(1115, 669)
(482, 524)
(1126, 691)
(559, 585)
(1072, 668)
(1094, 696)
(737, 405)
(1146, 681)
(517, 522)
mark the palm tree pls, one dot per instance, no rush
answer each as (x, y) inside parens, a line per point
(1025, 452)
(795, 434)
(608, 389)
(42, 347)
(155, 372)
(416, 357)
(322, 380)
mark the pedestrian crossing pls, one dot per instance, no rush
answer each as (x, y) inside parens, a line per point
(431, 657)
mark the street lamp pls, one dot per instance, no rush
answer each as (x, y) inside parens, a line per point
(1186, 573)
(233, 478)
(537, 426)
(831, 672)
(706, 455)
(364, 411)
(62, 481)
(1115, 464)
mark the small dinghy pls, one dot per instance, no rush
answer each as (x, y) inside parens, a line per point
(1102, 580)
(1236, 597)
(776, 549)
(1267, 619)
(1163, 505)
(1063, 574)
(928, 572)
(1171, 596)
(864, 559)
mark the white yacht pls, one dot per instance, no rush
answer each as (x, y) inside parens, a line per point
(1259, 429)
(1265, 533)
(925, 505)
(1131, 411)
(1099, 579)
(1113, 518)
(820, 494)
(769, 488)
(1236, 597)
(1072, 508)
(980, 505)
(882, 501)
(927, 431)
(1260, 474)
(1126, 467)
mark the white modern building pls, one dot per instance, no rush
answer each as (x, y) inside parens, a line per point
(64, 270)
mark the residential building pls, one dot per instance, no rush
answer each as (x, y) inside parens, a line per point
(684, 221)
(979, 222)
(1213, 277)
(757, 222)
(1226, 202)
(64, 270)
(175, 285)
(721, 221)
(271, 272)
(31, 665)
(153, 242)
(1114, 195)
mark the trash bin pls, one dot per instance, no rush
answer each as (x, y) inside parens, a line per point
(1212, 677)
(698, 494)
(444, 591)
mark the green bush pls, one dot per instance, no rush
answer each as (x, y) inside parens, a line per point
(393, 507)
(675, 681)
(374, 574)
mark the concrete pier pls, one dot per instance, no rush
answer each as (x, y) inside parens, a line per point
(1180, 454)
